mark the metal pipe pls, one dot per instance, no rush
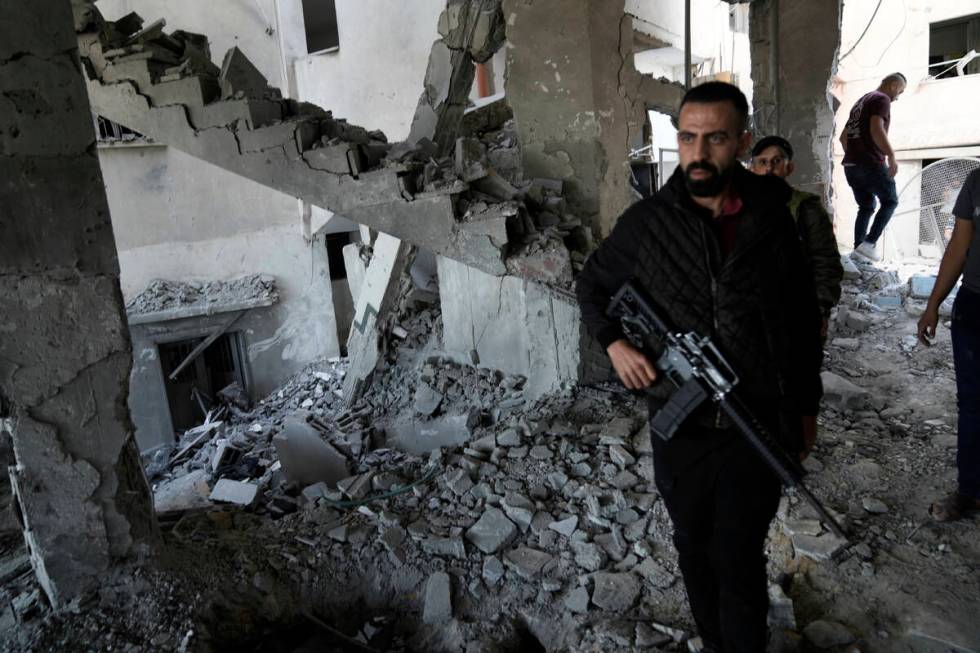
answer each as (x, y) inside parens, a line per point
(687, 43)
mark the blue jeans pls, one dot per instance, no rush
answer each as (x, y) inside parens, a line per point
(869, 182)
(966, 357)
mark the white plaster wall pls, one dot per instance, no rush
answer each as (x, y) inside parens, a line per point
(375, 77)
(930, 114)
(160, 194)
(226, 23)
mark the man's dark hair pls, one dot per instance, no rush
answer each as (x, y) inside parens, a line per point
(895, 77)
(711, 92)
(769, 141)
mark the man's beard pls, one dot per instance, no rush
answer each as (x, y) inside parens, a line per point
(708, 186)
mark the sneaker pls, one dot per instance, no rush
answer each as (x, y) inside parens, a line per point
(868, 250)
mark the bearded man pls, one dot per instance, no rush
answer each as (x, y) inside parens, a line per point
(718, 251)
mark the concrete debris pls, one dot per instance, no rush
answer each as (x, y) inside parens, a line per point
(189, 298)
(841, 393)
(306, 458)
(493, 570)
(655, 574)
(822, 547)
(577, 600)
(492, 532)
(615, 592)
(239, 78)
(781, 614)
(183, 493)
(528, 563)
(438, 599)
(237, 492)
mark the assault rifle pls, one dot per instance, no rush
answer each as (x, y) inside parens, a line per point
(700, 373)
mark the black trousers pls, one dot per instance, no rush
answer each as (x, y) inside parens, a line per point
(721, 505)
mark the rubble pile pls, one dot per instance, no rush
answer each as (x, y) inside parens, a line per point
(443, 511)
(164, 295)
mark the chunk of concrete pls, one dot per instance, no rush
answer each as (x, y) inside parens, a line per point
(527, 562)
(493, 570)
(655, 574)
(240, 77)
(422, 437)
(842, 394)
(183, 493)
(237, 492)
(822, 547)
(306, 459)
(920, 286)
(615, 592)
(470, 159)
(577, 600)
(492, 532)
(566, 526)
(438, 599)
(427, 400)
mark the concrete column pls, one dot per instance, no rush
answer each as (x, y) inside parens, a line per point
(579, 104)
(794, 55)
(65, 354)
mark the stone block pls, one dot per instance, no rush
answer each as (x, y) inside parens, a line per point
(527, 562)
(192, 91)
(183, 493)
(492, 532)
(237, 492)
(306, 458)
(438, 599)
(920, 286)
(340, 159)
(470, 159)
(422, 437)
(615, 592)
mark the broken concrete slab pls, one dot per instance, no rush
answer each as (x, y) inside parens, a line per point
(306, 458)
(183, 493)
(438, 599)
(427, 400)
(527, 562)
(822, 547)
(655, 574)
(492, 531)
(577, 600)
(423, 437)
(238, 492)
(615, 592)
(240, 78)
(374, 301)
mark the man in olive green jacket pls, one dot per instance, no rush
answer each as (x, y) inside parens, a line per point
(773, 155)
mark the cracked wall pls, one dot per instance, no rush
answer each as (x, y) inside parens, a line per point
(578, 102)
(65, 353)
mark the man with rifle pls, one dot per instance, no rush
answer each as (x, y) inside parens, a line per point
(717, 251)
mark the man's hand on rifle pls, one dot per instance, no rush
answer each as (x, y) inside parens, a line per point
(634, 369)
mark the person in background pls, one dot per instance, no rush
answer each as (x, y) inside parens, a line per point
(962, 258)
(869, 163)
(773, 155)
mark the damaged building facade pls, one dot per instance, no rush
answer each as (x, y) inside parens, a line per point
(321, 278)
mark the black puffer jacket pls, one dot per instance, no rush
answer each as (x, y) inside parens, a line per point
(758, 304)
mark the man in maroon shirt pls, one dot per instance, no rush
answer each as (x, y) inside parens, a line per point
(869, 162)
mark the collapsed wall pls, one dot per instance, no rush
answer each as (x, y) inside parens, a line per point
(65, 352)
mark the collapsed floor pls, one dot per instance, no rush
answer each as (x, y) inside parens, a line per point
(299, 524)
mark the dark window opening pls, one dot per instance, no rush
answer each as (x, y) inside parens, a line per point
(949, 42)
(335, 254)
(113, 132)
(320, 18)
(195, 389)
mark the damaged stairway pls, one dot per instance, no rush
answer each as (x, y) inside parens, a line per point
(434, 191)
